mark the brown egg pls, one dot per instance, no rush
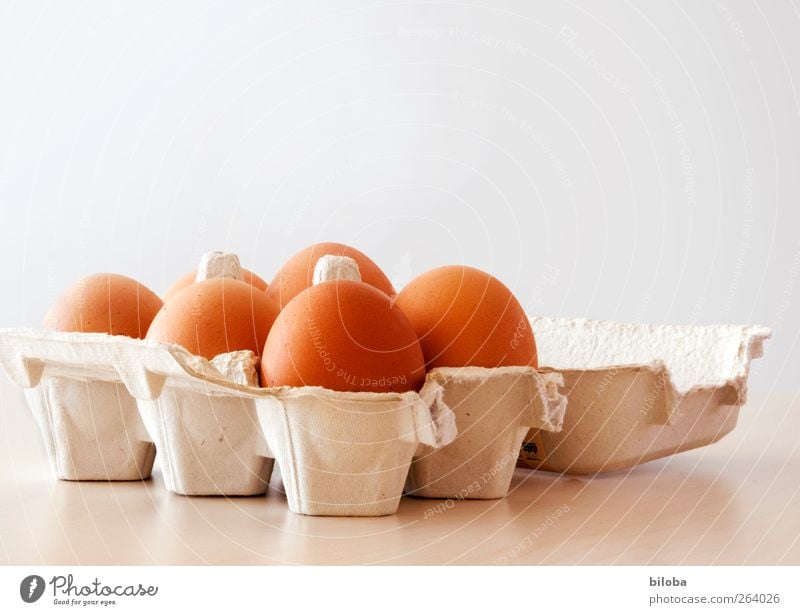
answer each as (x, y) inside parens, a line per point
(346, 336)
(104, 303)
(184, 281)
(215, 316)
(298, 272)
(464, 316)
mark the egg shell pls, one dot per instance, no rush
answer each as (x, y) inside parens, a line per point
(297, 273)
(215, 316)
(343, 335)
(189, 278)
(104, 303)
(466, 317)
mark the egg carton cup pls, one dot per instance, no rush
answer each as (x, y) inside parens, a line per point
(91, 429)
(209, 441)
(348, 454)
(105, 404)
(639, 392)
(339, 453)
(89, 421)
(494, 409)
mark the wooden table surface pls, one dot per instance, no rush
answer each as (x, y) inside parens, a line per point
(737, 501)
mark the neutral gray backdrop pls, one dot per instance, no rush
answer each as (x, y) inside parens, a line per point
(619, 160)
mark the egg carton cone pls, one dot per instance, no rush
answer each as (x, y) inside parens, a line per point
(494, 410)
(208, 444)
(105, 404)
(208, 437)
(639, 392)
(348, 454)
(89, 421)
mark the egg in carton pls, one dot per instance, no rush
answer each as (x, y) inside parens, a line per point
(207, 435)
(340, 453)
(345, 452)
(89, 393)
(103, 416)
(477, 341)
(639, 392)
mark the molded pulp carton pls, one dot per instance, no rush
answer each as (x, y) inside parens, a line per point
(209, 440)
(494, 409)
(105, 403)
(348, 453)
(639, 392)
(340, 453)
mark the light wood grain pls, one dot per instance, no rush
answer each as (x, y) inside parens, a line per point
(734, 502)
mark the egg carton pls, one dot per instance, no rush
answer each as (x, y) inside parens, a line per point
(89, 421)
(209, 440)
(104, 401)
(639, 392)
(103, 414)
(494, 410)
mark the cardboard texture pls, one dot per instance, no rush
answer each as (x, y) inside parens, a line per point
(494, 409)
(340, 453)
(91, 429)
(209, 441)
(639, 392)
(106, 403)
(89, 421)
(347, 453)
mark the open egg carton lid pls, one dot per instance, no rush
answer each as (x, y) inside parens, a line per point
(638, 392)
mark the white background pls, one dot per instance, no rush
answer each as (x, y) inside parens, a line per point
(621, 160)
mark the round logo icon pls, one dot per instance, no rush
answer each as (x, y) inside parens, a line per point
(31, 588)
